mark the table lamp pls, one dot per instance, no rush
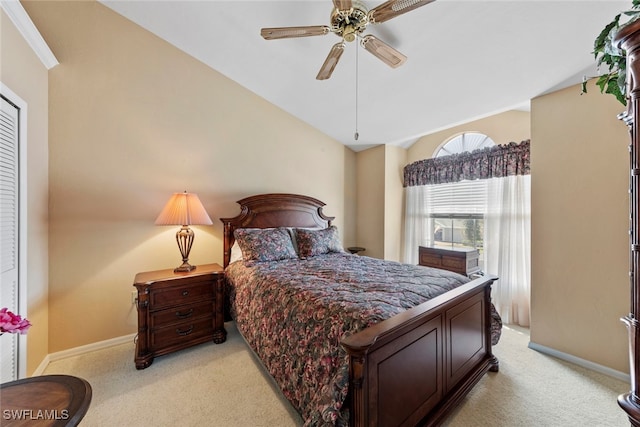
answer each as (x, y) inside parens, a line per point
(184, 209)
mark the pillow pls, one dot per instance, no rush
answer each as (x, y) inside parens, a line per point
(318, 242)
(292, 233)
(236, 253)
(264, 244)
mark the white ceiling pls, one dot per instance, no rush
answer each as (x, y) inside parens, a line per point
(466, 59)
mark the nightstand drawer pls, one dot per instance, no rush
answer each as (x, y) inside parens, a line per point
(177, 295)
(181, 332)
(180, 314)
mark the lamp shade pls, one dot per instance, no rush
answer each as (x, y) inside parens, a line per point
(183, 209)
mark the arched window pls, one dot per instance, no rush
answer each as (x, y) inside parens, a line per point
(456, 210)
(468, 141)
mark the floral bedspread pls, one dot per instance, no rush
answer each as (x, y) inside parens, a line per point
(294, 313)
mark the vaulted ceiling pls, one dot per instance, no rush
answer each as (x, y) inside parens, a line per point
(466, 59)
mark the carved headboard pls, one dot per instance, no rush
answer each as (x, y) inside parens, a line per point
(274, 210)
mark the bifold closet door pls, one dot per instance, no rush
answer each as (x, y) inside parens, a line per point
(9, 228)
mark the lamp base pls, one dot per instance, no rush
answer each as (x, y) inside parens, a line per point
(185, 267)
(185, 237)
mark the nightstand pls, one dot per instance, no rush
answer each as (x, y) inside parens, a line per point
(355, 249)
(178, 310)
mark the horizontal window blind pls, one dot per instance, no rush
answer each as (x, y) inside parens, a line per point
(464, 197)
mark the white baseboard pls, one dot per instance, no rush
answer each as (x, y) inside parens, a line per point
(580, 362)
(42, 366)
(76, 351)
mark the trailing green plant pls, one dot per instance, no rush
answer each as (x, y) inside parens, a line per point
(606, 53)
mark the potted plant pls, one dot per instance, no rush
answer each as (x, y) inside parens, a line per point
(607, 54)
(13, 323)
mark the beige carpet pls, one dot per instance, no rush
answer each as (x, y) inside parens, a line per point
(535, 390)
(223, 385)
(207, 385)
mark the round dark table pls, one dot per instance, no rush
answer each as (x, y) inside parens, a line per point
(47, 400)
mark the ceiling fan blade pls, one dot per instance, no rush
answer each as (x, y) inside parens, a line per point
(291, 32)
(383, 51)
(342, 4)
(392, 8)
(330, 63)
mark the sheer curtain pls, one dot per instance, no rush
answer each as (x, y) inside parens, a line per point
(507, 246)
(416, 225)
(507, 217)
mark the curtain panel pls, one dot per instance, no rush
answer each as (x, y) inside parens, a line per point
(492, 162)
(507, 246)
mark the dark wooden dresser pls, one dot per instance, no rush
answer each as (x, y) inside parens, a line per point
(460, 260)
(178, 310)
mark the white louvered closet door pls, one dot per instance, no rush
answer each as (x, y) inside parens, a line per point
(9, 233)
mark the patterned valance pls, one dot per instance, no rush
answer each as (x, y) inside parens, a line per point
(491, 162)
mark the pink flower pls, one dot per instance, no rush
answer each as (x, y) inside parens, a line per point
(12, 323)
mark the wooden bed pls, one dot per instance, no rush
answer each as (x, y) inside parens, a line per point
(415, 367)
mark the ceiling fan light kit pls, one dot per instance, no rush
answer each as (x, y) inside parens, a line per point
(349, 19)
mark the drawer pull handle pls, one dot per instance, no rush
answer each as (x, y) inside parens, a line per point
(185, 332)
(184, 315)
(185, 293)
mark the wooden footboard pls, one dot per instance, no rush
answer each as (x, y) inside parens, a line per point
(414, 368)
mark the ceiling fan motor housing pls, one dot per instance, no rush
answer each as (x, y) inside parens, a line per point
(349, 23)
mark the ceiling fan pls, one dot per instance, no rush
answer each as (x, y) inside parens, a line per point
(349, 19)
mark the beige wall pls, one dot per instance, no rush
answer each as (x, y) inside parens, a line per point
(380, 201)
(370, 200)
(23, 73)
(132, 120)
(579, 171)
(395, 161)
(511, 126)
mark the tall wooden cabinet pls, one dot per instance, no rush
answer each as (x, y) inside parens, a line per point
(629, 39)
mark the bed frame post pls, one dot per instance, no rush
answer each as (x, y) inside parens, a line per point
(356, 377)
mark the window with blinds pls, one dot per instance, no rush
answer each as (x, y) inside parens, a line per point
(455, 211)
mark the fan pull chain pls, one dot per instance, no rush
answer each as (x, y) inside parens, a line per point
(355, 135)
